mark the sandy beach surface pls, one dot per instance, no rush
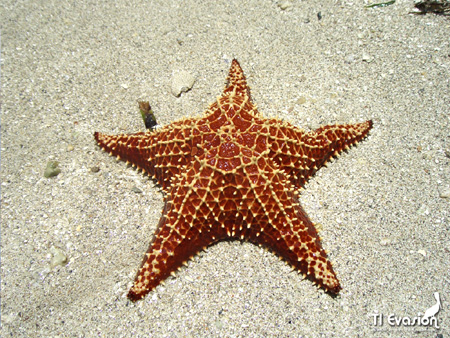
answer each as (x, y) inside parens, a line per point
(71, 244)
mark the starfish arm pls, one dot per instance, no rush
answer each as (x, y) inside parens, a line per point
(301, 154)
(279, 223)
(185, 229)
(236, 82)
(177, 240)
(160, 154)
(294, 238)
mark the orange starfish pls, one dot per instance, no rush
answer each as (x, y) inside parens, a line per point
(233, 175)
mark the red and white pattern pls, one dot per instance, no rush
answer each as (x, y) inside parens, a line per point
(233, 175)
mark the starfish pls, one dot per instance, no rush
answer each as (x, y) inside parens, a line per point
(233, 174)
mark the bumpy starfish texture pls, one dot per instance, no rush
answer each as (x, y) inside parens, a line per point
(233, 175)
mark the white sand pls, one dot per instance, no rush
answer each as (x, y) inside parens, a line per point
(72, 68)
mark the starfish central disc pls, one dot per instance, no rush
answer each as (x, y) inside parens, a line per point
(233, 175)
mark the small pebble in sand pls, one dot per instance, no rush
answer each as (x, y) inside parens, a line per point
(385, 241)
(59, 257)
(444, 192)
(366, 57)
(182, 81)
(51, 169)
(301, 100)
(422, 252)
(285, 5)
(447, 152)
(136, 190)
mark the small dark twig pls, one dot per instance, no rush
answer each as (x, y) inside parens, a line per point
(147, 115)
